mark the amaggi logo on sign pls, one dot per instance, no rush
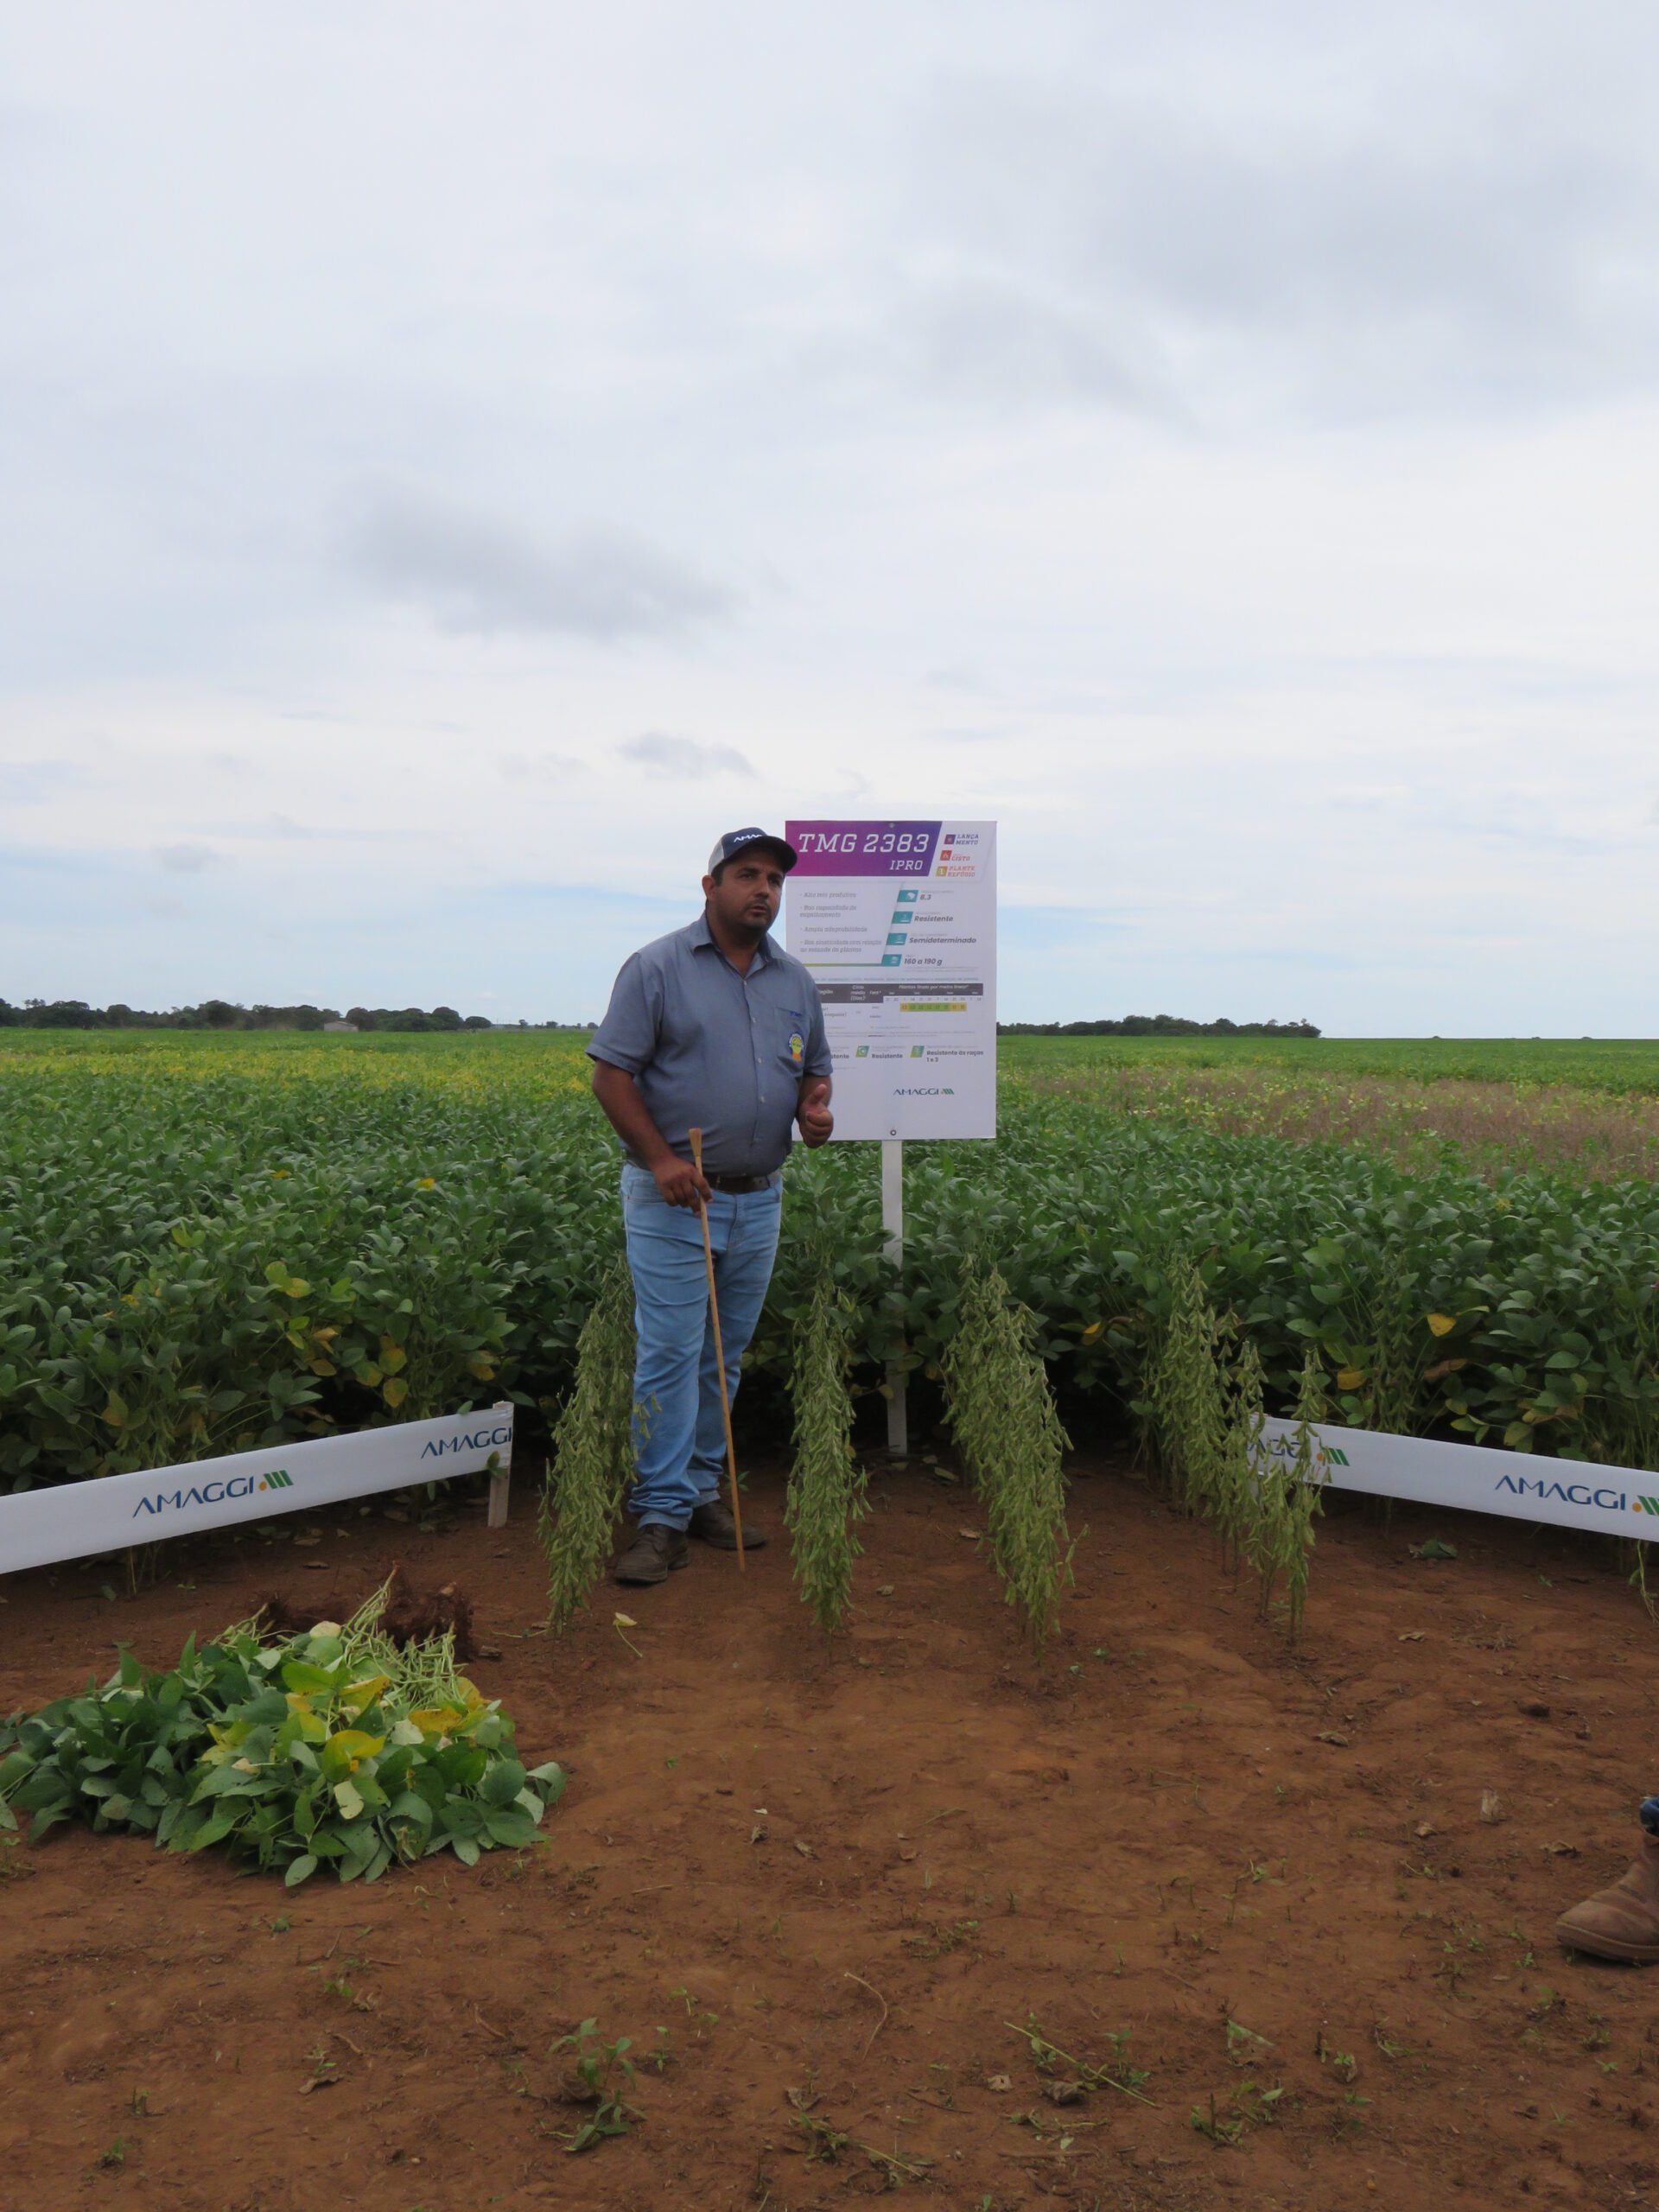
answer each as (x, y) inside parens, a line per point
(1607, 1501)
(216, 1493)
(1324, 1455)
(480, 1440)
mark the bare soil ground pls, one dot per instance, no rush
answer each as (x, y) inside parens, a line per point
(844, 1882)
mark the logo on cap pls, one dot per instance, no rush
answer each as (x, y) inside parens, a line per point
(734, 841)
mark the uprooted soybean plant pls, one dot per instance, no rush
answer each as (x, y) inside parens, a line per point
(334, 1747)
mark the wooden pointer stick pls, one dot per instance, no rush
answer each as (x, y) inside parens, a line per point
(720, 1356)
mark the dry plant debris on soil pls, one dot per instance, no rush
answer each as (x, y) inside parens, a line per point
(1178, 1918)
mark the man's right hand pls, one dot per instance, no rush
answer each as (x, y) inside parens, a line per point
(680, 1183)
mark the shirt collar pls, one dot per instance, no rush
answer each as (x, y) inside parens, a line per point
(699, 934)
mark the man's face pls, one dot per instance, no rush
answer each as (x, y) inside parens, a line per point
(749, 893)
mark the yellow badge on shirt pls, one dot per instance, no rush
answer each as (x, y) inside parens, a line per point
(796, 1046)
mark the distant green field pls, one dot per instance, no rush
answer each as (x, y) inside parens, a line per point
(1620, 1064)
(1616, 1064)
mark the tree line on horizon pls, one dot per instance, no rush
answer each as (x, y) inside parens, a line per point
(1157, 1025)
(222, 1014)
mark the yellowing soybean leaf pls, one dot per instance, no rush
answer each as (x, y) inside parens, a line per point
(355, 1744)
(1349, 1378)
(396, 1391)
(1442, 1324)
(349, 1799)
(115, 1412)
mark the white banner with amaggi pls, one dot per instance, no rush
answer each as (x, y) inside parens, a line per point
(71, 1520)
(1483, 1479)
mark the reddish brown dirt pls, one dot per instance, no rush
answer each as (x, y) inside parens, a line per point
(1170, 1826)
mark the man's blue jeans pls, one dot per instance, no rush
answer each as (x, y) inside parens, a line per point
(679, 1436)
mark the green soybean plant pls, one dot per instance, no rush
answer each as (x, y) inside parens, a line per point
(1235, 1503)
(1002, 1416)
(1286, 1497)
(1184, 1406)
(827, 1495)
(591, 1461)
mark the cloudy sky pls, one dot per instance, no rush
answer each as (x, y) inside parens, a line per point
(458, 459)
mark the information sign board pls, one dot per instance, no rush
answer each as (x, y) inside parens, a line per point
(897, 922)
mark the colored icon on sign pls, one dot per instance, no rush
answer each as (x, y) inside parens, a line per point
(896, 936)
(906, 898)
(892, 960)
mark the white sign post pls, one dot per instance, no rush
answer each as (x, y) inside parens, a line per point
(897, 922)
(71, 1520)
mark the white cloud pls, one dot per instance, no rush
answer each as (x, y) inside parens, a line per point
(475, 573)
(1220, 444)
(682, 758)
(186, 859)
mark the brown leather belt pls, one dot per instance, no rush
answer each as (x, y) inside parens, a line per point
(738, 1185)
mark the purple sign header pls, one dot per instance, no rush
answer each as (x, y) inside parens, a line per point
(864, 848)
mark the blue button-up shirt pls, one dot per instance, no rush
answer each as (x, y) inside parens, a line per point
(713, 1049)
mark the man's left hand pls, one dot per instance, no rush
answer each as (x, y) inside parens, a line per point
(817, 1121)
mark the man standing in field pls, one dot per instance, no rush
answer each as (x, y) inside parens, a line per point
(713, 1027)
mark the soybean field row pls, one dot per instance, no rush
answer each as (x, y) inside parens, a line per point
(212, 1242)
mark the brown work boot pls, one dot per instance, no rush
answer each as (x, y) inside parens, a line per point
(1622, 1922)
(716, 1524)
(653, 1555)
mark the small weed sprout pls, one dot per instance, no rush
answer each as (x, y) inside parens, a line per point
(1002, 1416)
(827, 1495)
(1114, 2073)
(591, 1461)
(602, 2068)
